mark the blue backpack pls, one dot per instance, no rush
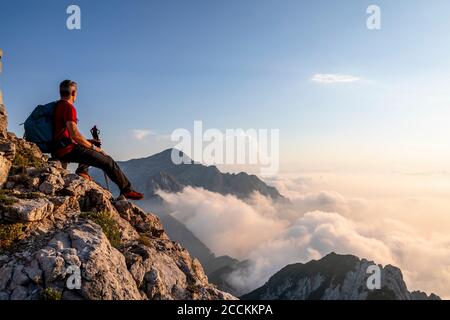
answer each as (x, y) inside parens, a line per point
(39, 127)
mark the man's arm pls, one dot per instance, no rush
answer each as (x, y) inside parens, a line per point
(79, 138)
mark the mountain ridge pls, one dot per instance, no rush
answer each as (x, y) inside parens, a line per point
(335, 277)
(158, 172)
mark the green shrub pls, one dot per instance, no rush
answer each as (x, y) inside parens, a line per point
(9, 233)
(50, 294)
(24, 158)
(109, 226)
(29, 195)
(145, 240)
(6, 200)
(7, 197)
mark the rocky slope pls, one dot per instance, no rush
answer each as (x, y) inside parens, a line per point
(335, 277)
(54, 224)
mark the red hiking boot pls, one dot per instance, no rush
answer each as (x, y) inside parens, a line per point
(85, 176)
(133, 195)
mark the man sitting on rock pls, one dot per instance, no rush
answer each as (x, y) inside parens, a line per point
(78, 149)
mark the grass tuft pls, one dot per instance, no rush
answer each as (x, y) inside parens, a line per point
(109, 226)
(24, 158)
(6, 200)
(50, 294)
(9, 233)
(145, 240)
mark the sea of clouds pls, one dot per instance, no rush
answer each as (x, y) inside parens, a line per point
(309, 226)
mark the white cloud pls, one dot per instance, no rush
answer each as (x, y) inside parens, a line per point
(140, 134)
(309, 237)
(334, 78)
(225, 223)
(273, 234)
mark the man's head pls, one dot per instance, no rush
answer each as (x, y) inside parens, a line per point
(68, 90)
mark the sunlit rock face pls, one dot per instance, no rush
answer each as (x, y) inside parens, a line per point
(55, 225)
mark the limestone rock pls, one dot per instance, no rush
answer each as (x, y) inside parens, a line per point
(52, 183)
(165, 271)
(99, 200)
(3, 121)
(7, 153)
(5, 165)
(28, 149)
(74, 185)
(8, 149)
(104, 269)
(148, 224)
(27, 210)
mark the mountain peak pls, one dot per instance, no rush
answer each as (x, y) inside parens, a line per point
(334, 277)
(168, 153)
(150, 174)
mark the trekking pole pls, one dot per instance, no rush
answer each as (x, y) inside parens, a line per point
(96, 136)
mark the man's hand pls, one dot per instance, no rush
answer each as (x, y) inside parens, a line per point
(80, 139)
(96, 143)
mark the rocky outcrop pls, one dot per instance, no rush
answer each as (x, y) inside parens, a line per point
(336, 277)
(3, 120)
(62, 237)
(7, 155)
(3, 115)
(419, 295)
(7, 148)
(73, 225)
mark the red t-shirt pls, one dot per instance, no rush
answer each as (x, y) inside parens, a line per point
(64, 111)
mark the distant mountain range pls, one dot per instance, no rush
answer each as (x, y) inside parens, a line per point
(159, 172)
(335, 277)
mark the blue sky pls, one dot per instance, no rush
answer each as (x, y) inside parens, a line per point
(160, 65)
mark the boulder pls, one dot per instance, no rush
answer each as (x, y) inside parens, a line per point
(74, 185)
(27, 210)
(105, 273)
(144, 223)
(165, 271)
(52, 183)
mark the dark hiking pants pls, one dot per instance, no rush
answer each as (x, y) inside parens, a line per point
(89, 158)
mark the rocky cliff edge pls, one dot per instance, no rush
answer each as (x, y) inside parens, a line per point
(62, 237)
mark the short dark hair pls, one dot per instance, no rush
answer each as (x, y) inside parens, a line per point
(66, 88)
